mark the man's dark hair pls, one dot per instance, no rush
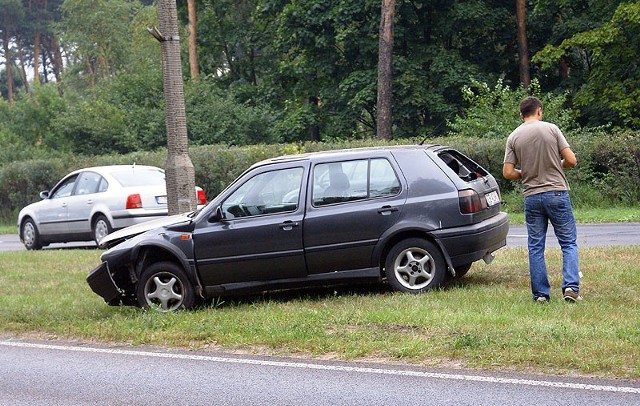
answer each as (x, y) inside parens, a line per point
(529, 106)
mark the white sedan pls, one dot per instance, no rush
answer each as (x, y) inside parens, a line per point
(90, 203)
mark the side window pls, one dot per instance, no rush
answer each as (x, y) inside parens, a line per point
(103, 186)
(65, 189)
(384, 181)
(88, 182)
(338, 182)
(265, 193)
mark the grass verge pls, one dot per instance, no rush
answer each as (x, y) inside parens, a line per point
(8, 229)
(486, 320)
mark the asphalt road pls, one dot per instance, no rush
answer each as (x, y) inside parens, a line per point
(41, 373)
(589, 235)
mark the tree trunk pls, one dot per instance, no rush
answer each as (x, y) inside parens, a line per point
(91, 72)
(36, 58)
(180, 173)
(23, 70)
(57, 58)
(104, 67)
(193, 45)
(7, 61)
(314, 102)
(523, 47)
(385, 60)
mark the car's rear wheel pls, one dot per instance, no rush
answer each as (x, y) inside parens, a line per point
(101, 228)
(164, 286)
(30, 235)
(415, 265)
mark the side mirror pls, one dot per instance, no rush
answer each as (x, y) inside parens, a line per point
(217, 215)
(44, 194)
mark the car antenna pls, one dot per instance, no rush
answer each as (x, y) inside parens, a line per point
(430, 133)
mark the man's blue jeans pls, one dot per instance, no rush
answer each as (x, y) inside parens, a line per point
(540, 209)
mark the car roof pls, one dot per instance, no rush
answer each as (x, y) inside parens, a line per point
(111, 168)
(345, 153)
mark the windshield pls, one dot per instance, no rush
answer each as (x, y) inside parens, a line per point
(133, 176)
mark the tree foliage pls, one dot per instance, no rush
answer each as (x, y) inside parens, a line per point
(296, 70)
(608, 56)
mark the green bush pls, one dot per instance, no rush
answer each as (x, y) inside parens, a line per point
(22, 182)
(493, 112)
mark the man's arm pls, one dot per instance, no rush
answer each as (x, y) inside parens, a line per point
(569, 159)
(510, 172)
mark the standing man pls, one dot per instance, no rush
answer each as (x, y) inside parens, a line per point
(542, 152)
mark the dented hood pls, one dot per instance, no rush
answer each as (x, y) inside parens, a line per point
(118, 236)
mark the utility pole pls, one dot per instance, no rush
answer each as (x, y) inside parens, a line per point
(180, 174)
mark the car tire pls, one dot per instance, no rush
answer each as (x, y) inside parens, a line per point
(415, 265)
(165, 287)
(30, 236)
(101, 228)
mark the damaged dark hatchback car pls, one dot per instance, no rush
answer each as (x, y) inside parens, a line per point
(409, 215)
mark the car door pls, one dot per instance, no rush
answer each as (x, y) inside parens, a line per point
(345, 221)
(52, 212)
(259, 236)
(80, 203)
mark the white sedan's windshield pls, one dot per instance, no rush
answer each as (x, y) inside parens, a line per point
(139, 177)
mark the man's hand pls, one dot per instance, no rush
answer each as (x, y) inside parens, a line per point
(510, 172)
(569, 159)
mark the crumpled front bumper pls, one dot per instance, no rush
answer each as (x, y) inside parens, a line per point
(102, 283)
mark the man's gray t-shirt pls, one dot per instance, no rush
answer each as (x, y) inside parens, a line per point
(535, 147)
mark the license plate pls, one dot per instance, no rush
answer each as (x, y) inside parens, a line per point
(492, 198)
(161, 199)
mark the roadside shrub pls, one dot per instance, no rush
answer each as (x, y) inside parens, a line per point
(30, 118)
(615, 167)
(93, 127)
(493, 112)
(22, 182)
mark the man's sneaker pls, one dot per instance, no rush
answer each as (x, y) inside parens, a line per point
(541, 300)
(571, 295)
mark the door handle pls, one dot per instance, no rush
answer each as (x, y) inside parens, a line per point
(387, 210)
(90, 202)
(288, 225)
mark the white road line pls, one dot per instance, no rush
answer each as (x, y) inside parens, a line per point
(457, 377)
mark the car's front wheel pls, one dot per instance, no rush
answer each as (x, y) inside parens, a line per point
(30, 235)
(101, 228)
(415, 265)
(164, 286)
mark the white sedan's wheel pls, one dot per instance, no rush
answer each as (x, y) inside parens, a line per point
(101, 228)
(30, 236)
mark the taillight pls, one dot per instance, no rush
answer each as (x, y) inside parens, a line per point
(201, 196)
(134, 201)
(469, 201)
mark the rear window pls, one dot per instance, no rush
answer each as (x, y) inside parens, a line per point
(139, 177)
(463, 166)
